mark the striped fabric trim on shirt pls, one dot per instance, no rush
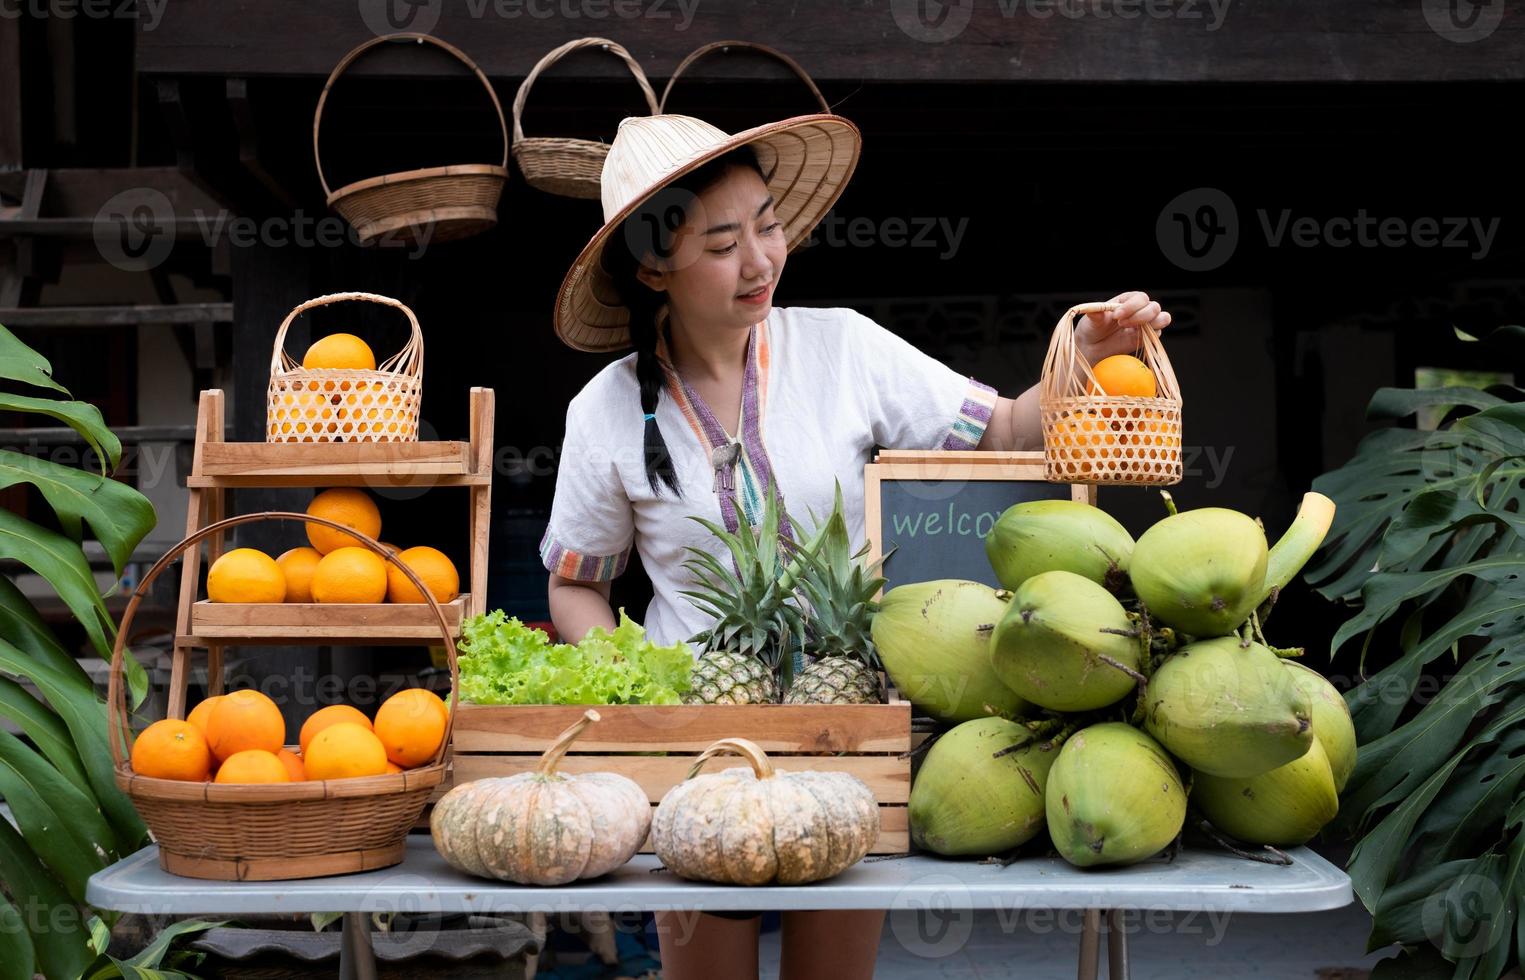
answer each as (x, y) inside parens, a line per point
(973, 417)
(561, 560)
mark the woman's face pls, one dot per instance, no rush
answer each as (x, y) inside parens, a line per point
(726, 257)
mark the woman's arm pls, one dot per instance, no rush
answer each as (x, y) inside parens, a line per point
(1014, 423)
(577, 607)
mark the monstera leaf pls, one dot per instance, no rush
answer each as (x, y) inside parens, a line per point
(1428, 547)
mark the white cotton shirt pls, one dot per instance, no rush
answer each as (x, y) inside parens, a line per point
(823, 388)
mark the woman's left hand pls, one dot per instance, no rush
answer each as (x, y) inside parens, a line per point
(1116, 331)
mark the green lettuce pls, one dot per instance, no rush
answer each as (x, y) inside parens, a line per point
(503, 661)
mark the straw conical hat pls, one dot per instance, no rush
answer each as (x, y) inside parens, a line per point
(810, 158)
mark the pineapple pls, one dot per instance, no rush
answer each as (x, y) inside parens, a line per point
(756, 625)
(839, 592)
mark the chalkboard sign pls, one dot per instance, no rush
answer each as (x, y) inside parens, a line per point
(935, 508)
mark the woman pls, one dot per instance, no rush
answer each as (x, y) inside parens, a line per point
(727, 395)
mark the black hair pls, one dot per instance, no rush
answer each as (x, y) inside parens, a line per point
(649, 231)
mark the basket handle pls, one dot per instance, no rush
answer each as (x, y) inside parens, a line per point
(723, 46)
(556, 54)
(409, 360)
(116, 691)
(1063, 355)
(359, 49)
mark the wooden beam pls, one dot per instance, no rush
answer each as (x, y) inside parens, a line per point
(885, 41)
(116, 316)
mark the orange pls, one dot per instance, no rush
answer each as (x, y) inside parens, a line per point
(345, 751)
(350, 575)
(349, 506)
(393, 767)
(295, 771)
(1124, 374)
(389, 546)
(171, 749)
(245, 720)
(411, 724)
(298, 565)
(343, 351)
(331, 715)
(429, 564)
(246, 575)
(253, 766)
(202, 712)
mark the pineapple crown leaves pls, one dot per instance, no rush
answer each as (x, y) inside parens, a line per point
(839, 590)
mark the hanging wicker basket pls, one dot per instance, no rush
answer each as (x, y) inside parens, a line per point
(724, 47)
(1094, 438)
(346, 405)
(434, 204)
(562, 165)
(274, 831)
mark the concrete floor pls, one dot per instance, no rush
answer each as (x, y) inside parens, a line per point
(1162, 946)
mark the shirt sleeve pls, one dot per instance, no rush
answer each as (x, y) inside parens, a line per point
(913, 400)
(592, 522)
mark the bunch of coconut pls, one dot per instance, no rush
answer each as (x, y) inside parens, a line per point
(1111, 685)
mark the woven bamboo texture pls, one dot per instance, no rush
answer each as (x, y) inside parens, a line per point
(273, 831)
(724, 47)
(433, 204)
(559, 164)
(342, 405)
(1096, 438)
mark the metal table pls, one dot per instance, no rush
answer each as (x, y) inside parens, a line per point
(1197, 881)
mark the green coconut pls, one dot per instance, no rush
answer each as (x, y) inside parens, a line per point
(1113, 797)
(968, 802)
(1050, 644)
(934, 641)
(1201, 572)
(1068, 535)
(1228, 710)
(1331, 721)
(1284, 807)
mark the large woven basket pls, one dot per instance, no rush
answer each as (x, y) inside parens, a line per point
(275, 831)
(562, 165)
(433, 204)
(1095, 438)
(724, 47)
(346, 405)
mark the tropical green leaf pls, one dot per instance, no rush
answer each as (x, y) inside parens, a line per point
(119, 516)
(46, 730)
(1396, 403)
(17, 958)
(152, 954)
(1383, 593)
(63, 826)
(18, 362)
(1400, 914)
(85, 716)
(82, 417)
(21, 626)
(60, 941)
(63, 564)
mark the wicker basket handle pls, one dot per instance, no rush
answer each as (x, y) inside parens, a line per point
(723, 46)
(1062, 355)
(359, 49)
(116, 691)
(556, 54)
(409, 360)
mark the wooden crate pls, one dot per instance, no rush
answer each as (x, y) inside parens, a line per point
(336, 624)
(868, 740)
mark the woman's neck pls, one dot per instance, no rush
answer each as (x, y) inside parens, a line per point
(701, 355)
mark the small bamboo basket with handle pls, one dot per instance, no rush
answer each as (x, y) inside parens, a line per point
(435, 204)
(724, 47)
(559, 164)
(274, 831)
(346, 404)
(1090, 437)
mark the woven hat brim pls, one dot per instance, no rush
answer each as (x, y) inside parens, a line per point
(814, 155)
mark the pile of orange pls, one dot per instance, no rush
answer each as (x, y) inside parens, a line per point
(353, 405)
(335, 567)
(239, 738)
